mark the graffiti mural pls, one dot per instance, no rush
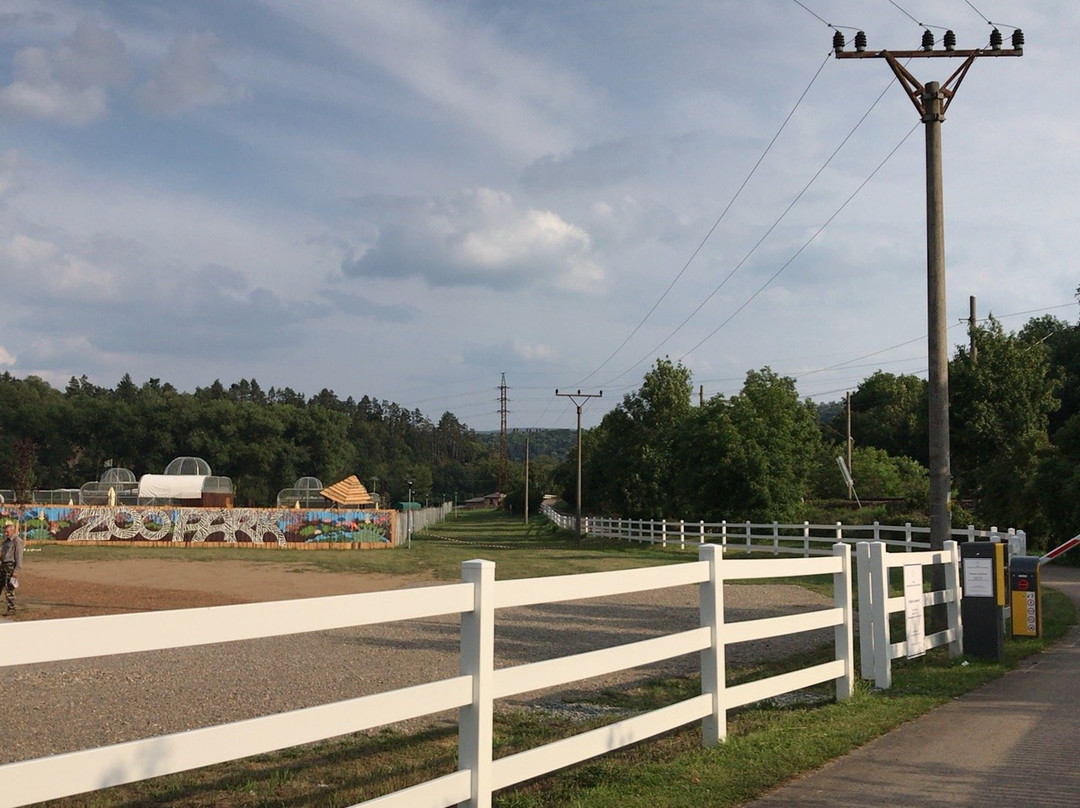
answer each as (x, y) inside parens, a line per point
(280, 526)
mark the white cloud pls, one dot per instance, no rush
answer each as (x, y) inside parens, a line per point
(459, 67)
(6, 357)
(67, 83)
(480, 238)
(537, 351)
(9, 173)
(188, 77)
(69, 276)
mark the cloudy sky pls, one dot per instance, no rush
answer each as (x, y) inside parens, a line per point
(407, 199)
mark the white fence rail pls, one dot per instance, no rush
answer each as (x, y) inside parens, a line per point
(474, 692)
(804, 539)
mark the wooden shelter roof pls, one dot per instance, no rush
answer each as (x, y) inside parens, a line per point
(349, 491)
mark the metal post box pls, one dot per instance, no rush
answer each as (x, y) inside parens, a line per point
(981, 610)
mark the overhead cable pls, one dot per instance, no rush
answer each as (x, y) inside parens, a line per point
(716, 224)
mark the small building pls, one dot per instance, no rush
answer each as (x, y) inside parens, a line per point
(487, 501)
(305, 493)
(187, 481)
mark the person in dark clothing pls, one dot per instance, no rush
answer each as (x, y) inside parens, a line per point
(11, 555)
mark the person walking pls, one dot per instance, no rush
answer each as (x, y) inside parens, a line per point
(11, 555)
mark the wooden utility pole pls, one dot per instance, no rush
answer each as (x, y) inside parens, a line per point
(526, 476)
(931, 101)
(850, 441)
(579, 403)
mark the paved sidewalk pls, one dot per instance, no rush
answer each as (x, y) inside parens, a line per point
(1015, 741)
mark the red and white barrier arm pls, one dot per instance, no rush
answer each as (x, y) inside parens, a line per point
(1071, 543)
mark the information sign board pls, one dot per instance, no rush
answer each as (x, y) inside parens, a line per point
(913, 610)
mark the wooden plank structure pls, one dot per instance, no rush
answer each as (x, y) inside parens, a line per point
(350, 492)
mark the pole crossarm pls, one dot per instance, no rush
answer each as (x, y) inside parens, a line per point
(925, 54)
(913, 87)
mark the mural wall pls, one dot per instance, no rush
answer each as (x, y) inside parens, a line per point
(281, 526)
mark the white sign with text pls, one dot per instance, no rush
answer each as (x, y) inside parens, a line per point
(913, 610)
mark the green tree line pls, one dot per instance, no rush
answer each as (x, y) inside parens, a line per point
(263, 440)
(765, 455)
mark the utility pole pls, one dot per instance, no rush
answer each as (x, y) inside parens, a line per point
(931, 101)
(974, 349)
(526, 477)
(579, 399)
(850, 441)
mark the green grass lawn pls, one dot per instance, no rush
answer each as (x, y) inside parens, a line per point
(767, 744)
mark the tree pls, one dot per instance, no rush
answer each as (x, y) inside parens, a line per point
(779, 442)
(877, 475)
(628, 469)
(1001, 405)
(1062, 341)
(748, 457)
(1058, 481)
(889, 412)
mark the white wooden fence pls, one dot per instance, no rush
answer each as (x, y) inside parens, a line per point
(877, 649)
(804, 538)
(477, 598)
(409, 522)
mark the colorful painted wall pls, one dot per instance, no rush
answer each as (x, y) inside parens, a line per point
(280, 526)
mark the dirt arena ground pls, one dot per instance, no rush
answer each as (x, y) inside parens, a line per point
(52, 589)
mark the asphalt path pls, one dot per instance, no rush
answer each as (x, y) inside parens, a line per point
(1012, 742)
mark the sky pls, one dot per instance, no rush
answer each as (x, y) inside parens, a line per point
(416, 200)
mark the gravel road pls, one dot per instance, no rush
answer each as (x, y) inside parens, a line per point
(60, 707)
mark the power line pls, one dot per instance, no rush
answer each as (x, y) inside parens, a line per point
(978, 12)
(760, 241)
(806, 244)
(820, 18)
(716, 224)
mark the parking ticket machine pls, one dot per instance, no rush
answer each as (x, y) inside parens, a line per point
(1026, 596)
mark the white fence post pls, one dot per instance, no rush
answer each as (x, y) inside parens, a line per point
(749, 533)
(806, 539)
(775, 538)
(701, 528)
(844, 633)
(682, 534)
(952, 607)
(866, 611)
(713, 727)
(879, 595)
(476, 732)
(907, 536)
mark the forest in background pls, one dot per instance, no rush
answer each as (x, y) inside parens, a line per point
(263, 440)
(763, 454)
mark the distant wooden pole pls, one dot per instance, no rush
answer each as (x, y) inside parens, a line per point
(850, 441)
(584, 397)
